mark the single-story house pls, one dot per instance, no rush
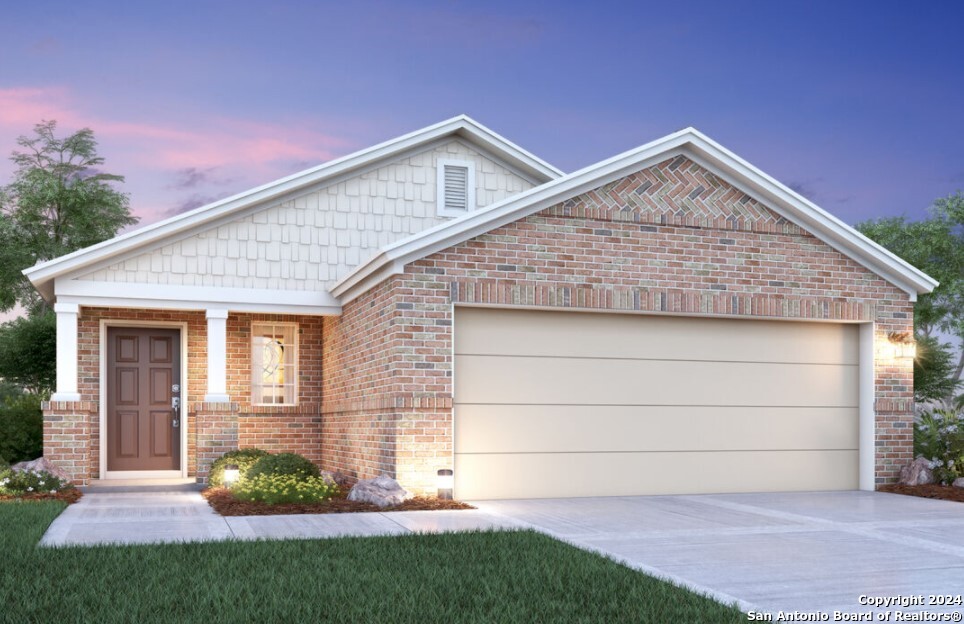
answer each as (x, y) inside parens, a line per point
(668, 320)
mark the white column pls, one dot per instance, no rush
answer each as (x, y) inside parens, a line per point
(217, 357)
(66, 352)
(866, 416)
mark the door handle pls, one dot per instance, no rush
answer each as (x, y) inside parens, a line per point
(175, 406)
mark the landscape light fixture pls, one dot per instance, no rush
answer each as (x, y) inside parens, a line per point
(446, 482)
(231, 475)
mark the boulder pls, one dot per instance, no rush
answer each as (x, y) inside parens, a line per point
(42, 463)
(382, 491)
(335, 478)
(958, 482)
(918, 472)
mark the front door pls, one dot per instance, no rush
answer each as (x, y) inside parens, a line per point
(143, 395)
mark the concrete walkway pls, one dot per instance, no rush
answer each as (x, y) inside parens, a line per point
(159, 517)
(771, 552)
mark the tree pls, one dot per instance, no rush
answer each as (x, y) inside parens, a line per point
(934, 370)
(936, 246)
(59, 201)
(28, 352)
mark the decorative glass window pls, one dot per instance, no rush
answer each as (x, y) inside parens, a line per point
(274, 363)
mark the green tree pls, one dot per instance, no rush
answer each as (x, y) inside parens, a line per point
(936, 246)
(59, 201)
(28, 352)
(934, 370)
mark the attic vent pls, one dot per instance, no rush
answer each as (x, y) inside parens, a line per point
(456, 187)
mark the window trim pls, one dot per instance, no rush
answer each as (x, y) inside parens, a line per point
(440, 165)
(296, 359)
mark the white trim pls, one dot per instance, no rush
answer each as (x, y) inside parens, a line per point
(102, 408)
(461, 125)
(440, 166)
(167, 297)
(689, 142)
(67, 363)
(217, 348)
(867, 418)
(297, 360)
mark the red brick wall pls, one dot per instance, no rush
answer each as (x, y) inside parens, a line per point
(669, 239)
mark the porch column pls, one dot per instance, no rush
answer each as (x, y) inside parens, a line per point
(66, 352)
(217, 357)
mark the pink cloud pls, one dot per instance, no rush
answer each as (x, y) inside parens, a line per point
(150, 153)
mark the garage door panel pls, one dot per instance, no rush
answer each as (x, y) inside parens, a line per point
(557, 475)
(571, 428)
(484, 331)
(594, 381)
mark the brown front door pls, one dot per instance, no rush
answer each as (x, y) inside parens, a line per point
(143, 383)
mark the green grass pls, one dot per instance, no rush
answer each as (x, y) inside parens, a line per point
(467, 577)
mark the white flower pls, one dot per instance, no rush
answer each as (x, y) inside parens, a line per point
(30, 489)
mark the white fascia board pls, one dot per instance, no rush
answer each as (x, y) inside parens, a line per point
(199, 217)
(393, 258)
(166, 297)
(525, 158)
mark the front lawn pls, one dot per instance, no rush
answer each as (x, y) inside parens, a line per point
(468, 577)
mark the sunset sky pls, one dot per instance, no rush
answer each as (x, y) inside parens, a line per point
(856, 104)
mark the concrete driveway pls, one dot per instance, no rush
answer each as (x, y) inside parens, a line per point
(770, 552)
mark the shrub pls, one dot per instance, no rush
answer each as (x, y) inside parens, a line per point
(15, 483)
(939, 438)
(284, 488)
(288, 464)
(244, 459)
(21, 428)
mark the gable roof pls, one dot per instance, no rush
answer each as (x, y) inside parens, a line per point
(690, 142)
(43, 274)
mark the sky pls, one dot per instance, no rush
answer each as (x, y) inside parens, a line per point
(857, 105)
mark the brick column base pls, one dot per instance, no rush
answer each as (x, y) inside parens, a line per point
(216, 433)
(68, 438)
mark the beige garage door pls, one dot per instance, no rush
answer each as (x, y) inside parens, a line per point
(552, 404)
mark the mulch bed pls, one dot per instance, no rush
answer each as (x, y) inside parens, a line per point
(68, 496)
(225, 504)
(942, 492)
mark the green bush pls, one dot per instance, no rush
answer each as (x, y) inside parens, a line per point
(284, 464)
(284, 488)
(21, 428)
(244, 459)
(939, 438)
(14, 483)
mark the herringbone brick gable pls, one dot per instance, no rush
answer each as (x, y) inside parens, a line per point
(678, 192)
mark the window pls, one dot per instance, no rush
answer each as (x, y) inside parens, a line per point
(456, 187)
(274, 363)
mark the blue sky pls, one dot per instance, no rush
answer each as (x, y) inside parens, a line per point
(856, 104)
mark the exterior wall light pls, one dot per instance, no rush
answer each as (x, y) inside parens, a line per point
(903, 345)
(231, 475)
(446, 482)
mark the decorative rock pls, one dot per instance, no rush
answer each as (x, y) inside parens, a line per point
(918, 472)
(334, 478)
(382, 491)
(42, 463)
(958, 482)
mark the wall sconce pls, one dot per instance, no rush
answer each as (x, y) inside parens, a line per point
(903, 344)
(231, 475)
(446, 482)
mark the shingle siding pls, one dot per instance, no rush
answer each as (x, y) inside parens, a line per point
(308, 242)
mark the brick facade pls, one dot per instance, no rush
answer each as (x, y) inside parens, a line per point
(212, 428)
(376, 382)
(673, 238)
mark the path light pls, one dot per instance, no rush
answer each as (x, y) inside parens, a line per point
(231, 474)
(903, 345)
(445, 483)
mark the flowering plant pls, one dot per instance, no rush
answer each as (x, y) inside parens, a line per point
(939, 438)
